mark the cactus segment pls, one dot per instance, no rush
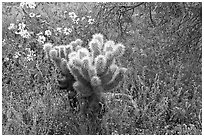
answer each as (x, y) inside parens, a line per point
(95, 81)
(47, 47)
(117, 78)
(100, 64)
(119, 50)
(68, 50)
(77, 74)
(53, 54)
(85, 68)
(76, 44)
(94, 45)
(83, 52)
(92, 72)
(62, 51)
(76, 62)
(82, 89)
(108, 46)
(107, 77)
(55, 58)
(99, 37)
(64, 67)
(79, 42)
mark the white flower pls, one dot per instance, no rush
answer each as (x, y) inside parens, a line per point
(32, 15)
(16, 55)
(75, 20)
(41, 39)
(70, 30)
(31, 5)
(25, 34)
(72, 15)
(91, 21)
(59, 29)
(22, 4)
(66, 31)
(21, 26)
(48, 33)
(40, 33)
(12, 26)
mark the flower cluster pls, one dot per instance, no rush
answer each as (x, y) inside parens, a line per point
(30, 5)
(22, 31)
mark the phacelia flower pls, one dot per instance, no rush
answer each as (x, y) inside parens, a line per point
(21, 26)
(32, 15)
(67, 31)
(41, 39)
(72, 15)
(31, 5)
(48, 33)
(25, 34)
(59, 29)
(91, 21)
(11, 26)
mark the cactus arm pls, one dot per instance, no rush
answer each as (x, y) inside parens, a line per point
(117, 78)
(82, 89)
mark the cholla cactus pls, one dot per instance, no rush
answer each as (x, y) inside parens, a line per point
(94, 69)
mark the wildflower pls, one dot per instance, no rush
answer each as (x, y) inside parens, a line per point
(32, 15)
(72, 15)
(59, 29)
(21, 26)
(16, 55)
(91, 21)
(22, 4)
(12, 26)
(25, 34)
(31, 5)
(66, 31)
(6, 59)
(41, 39)
(48, 33)
(83, 18)
(75, 20)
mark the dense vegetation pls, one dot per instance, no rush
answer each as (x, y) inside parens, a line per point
(161, 92)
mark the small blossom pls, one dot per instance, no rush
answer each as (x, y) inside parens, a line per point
(75, 20)
(91, 21)
(48, 33)
(41, 39)
(83, 18)
(22, 4)
(21, 26)
(72, 15)
(66, 31)
(6, 59)
(31, 5)
(32, 15)
(59, 29)
(12, 26)
(25, 34)
(16, 55)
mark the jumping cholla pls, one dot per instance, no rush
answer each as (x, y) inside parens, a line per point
(94, 69)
